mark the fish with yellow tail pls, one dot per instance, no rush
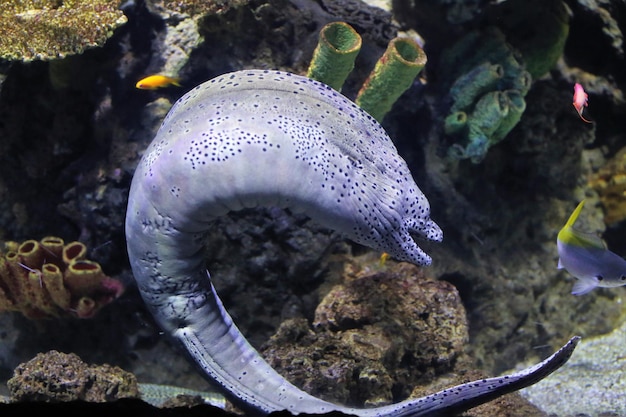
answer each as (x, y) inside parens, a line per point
(585, 256)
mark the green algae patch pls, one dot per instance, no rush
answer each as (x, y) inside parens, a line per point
(50, 29)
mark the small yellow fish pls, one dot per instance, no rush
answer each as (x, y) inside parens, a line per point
(383, 259)
(153, 82)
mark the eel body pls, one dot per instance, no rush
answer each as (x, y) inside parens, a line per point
(268, 138)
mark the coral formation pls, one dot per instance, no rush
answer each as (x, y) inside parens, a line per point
(610, 183)
(333, 58)
(45, 30)
(376, 335)
(538, 29)
(487, 82)
(56, 377)
(521, 41)
(51, 279)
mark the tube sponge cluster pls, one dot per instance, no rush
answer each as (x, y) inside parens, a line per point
(487, 83)
(48, 278)
(394, 72)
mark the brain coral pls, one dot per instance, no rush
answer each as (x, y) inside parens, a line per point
(50, 29)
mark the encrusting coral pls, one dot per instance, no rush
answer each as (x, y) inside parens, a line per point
(45, 30)
(52, 279)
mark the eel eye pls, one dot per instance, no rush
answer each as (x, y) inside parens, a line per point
(599, 277)
(622, 278)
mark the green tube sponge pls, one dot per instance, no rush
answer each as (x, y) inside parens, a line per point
(484, 120)
(537, 28)
(471, 85)
(455, 122)
(487, 83)
(454, 58)
(392, 75)
(475, 150)
(488, 113)
(521, 83)
(334, 56)
(516, 106)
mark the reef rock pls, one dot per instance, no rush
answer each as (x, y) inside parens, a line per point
(610, 183)
(56, 376)
(375, 336)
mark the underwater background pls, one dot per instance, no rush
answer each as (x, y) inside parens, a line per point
(487, 129)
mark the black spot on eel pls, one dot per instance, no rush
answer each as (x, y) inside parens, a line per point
(268, 138)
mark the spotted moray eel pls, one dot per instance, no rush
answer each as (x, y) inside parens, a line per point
(268, 138)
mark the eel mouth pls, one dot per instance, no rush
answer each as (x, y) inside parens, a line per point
(426, 230)
(423, 232)
(432, 231)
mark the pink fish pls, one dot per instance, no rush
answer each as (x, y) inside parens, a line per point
(580, 100)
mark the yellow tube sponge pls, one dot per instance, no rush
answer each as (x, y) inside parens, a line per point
(52, 278)
(48, 278)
